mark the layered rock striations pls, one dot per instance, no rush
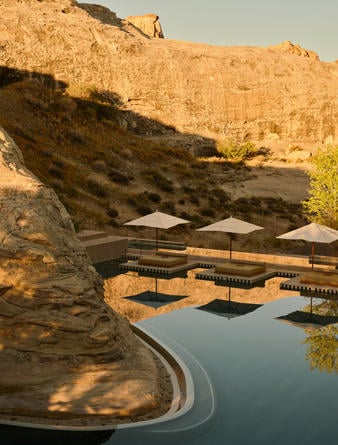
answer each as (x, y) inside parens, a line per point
(56, 331)
(247, 93)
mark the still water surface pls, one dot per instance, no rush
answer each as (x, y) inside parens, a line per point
(265, 390)
(256, 381)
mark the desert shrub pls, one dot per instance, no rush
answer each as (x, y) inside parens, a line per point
(36, 102)
(76, 136)
(143, 209)
(181, 201)
(114, 223)
(168, 207)
(194, 200)
(140, 202)
(99, 166)
(96, 188)
(58, 163)
(206, 211)
(157, 178)
(185, 215)
(238, 152)
(112, 212)
(188, 189)
(220, 194)
(118, 177)
(56, 172)
(197, 221)
(255, 202)
(154, 197)
(274, 205)
(23, 132)
(242, 205)
(132, 201)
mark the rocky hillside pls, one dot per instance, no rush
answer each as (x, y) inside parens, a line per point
(247, 93)
(109, 163)
(55, 328)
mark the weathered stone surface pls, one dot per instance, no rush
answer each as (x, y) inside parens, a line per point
(252, 93)
(55, 327)
(149, 24)
(296, 49)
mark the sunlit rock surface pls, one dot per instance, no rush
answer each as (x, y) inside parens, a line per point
(63, 351)
(147, 23)
(248, 93)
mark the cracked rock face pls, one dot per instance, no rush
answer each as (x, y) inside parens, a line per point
(246, 93)
(51, 298)
(56, 331)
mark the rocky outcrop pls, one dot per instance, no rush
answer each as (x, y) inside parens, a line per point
(292, 48)
(149, 24)
(246, 93)
(56, 331)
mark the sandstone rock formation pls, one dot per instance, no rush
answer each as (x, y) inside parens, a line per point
(246, 93)
(62, 349)
(149, 24)
(296, 49)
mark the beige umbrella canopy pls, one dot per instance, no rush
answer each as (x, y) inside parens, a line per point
(231, 226)
(314, 233)
(158, 220)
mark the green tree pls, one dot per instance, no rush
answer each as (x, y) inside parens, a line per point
(322, 349)
(322, 205)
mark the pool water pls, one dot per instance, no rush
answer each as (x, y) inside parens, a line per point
(256, 380)
(262, 391)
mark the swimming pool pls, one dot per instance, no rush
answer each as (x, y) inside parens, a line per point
(253, 379)
(258, 386)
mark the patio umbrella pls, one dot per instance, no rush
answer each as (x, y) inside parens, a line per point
(314, 233)
(231, 225)
(158, 220)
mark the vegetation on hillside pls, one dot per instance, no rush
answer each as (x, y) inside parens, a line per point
(106, 174)
(235, 151)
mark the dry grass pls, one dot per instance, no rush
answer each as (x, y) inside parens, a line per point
(78, 147)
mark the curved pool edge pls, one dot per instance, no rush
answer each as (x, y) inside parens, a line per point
(181, 378)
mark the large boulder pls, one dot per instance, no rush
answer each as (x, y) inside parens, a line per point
(58, 337)
(149, 24)
(294, 48)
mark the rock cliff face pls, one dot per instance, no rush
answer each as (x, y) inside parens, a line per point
(53, 318)
(248, 93)
(149, 24)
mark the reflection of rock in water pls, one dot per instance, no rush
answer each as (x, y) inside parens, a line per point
(11, 435)
(55, 326)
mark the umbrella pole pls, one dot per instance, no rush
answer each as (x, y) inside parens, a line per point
(230, 246)
(229, 294)
(156, 286)
(313, 253)
(156, 239)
